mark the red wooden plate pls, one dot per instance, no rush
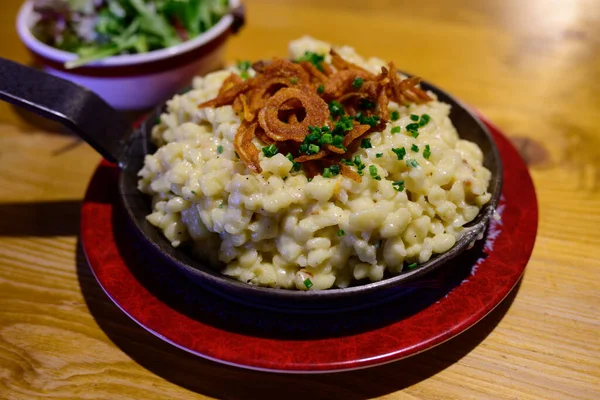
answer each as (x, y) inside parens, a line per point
(440, 306)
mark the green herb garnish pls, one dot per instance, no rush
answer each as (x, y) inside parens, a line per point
(343, 125)
(308, 283)
(412, 266)
(412, 127)
(395, 116)
(313, 58)
(364, 120)
(401, 152)
(336, 109)
(295, 166)
(414, 117)
(327, 138)
(373, 173)
(270, 150)
(414, 148)
(341, 233)
(359, 164)
(219, 149)
(243, 65)
(335, 169)
(326, 173)
(357, 83)
(366, 143)
(398, 186)
(379, 155)
(427, 152)
(412, 163)
(396, 129)
(425, 118)
(320, 89)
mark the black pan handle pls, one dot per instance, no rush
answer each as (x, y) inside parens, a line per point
(76, 107)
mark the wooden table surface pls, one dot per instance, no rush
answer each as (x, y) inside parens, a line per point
(533, 67)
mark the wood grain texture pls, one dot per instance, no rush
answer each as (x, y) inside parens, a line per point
(533, 67)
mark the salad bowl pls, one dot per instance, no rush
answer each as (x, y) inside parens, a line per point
(137, 81)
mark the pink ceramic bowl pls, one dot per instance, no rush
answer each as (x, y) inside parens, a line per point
(138, 81)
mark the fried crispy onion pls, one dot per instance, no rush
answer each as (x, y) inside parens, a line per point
(315, 108)
(246, 150)
(286, 104)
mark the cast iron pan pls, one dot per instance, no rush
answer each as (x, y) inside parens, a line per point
(106, 131)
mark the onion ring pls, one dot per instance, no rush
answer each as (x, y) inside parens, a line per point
(317, 114)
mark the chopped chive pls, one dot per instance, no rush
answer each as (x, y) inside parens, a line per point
(244, 75)
(219, 149)
(338, 141)
(335, 170)
(313, 149)
(398, 186)
(357, 83)
(295, 166)
(395, 116)
(327, 138)
(414, 134)
(326, 173)
(401, 152)
(379, 155)
(396, 129)
(364, 120)
(414, 117)
(412, 266)
(347, 162)
(243, 65)
(366, 143)
(373, 173)
(427, 152)
(412, 163)
(336, 109)
(414, 148)
(313, 58)
(293, 80)
(308, 283)
(343, 125)
(309, 179)
(359, 164)
(341, 233)
(270, 150)
(425, 118)
(412, 127)
(320, 89)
